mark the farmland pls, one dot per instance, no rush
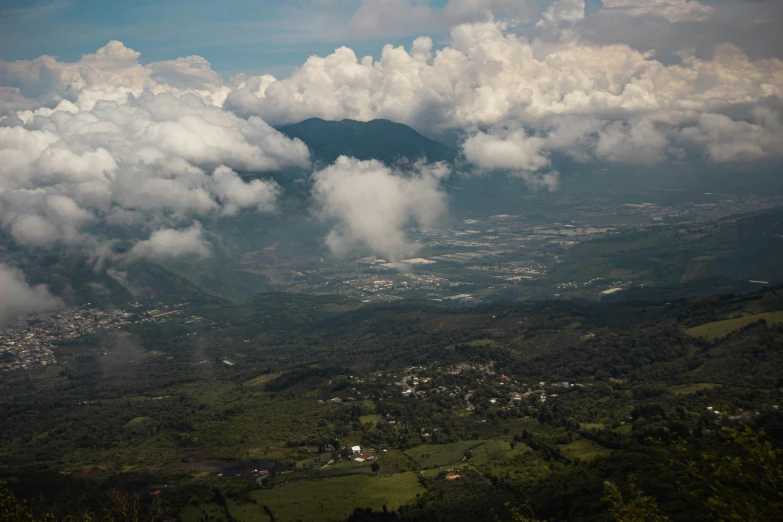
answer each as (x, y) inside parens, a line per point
(718, 329)
(335, 498)
(435, 456)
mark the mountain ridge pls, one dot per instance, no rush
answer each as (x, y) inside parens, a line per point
(365, 140)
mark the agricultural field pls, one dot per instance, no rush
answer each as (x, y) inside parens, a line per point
(335, 498)
(718, 329)
(434, 456)
(584, 449)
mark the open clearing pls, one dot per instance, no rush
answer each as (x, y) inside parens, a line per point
(584, 449)
(434, 456)
(687, 389)
(336, 498)
(718, 329)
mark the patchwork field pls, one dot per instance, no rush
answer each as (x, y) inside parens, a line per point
(718, 329)
(335, 498)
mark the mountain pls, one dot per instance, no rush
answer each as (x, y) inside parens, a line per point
(383, 140)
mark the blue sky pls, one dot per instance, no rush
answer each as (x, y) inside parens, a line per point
(251, 36)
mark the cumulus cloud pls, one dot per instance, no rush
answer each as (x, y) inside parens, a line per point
(488, 75)
(134, 145)
(18, 297)
(562, 11)
(112, 72)
(169, 243)
(527, 154)
(729, 141)
(371, 204)
(106, 140)
(628, 106)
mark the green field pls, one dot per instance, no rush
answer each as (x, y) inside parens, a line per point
(433, 456)
(718, 329)
(584, 449)
(687, 389)
(495, 451)
(335, 498)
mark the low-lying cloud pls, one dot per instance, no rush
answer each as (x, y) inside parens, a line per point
(128, 157)
(18, 297)
(371, 204)
(168, 243)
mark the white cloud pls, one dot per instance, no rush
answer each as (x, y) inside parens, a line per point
(18, 298)
(371, 204)
(107, 140)
(169, 243)
(562, 11)
(499, 150)
(637, 141)
(729, 141)
(488, 76)
(672, 10)
(236, 194)
(113, 72)
(527, 154)
(129, 149)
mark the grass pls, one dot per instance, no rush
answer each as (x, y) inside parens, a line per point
(137, 421)
(434, 456)
(495, 451)
(191, 513)
(592, 425)
(261, 379)
(393, 459)
(718, 329)
(336, 498)
(584, 449)
(369, 419)
(688, 389)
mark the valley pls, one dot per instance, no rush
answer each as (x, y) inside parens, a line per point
(514, 399)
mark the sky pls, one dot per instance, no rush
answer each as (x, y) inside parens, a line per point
(251, 36)
(139, 116)
(254, 36)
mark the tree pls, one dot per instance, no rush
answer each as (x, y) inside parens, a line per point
(11, 510)
(744, 483)
(637, 508)
(375, 467)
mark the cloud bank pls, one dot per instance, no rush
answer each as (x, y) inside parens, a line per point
(18, 298)
(121, 148)
(107, 142)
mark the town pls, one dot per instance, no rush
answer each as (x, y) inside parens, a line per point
(29, 341)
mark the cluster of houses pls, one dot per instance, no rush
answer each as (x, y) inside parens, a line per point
(29, 341)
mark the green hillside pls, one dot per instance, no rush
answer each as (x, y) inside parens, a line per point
(738, 249)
